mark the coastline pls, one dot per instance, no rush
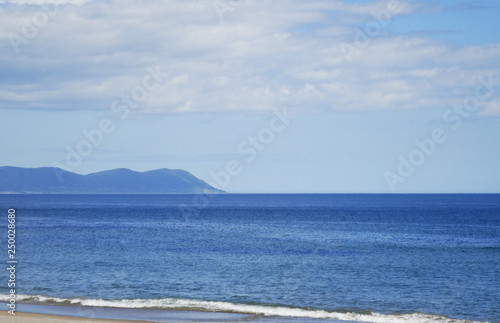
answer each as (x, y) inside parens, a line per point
(22, 317)
(34, 313)
(31, 313)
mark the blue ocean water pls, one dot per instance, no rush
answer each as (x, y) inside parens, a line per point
(373, 258)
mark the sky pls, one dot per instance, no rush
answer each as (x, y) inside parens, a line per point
(255, 96)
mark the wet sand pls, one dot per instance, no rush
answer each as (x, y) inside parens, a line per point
(21, 317)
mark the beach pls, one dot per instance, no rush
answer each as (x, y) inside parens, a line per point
(42, 318)
(29, 313)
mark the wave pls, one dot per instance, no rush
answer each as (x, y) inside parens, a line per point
(227, 307)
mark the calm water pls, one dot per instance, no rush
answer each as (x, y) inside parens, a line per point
(348, 257)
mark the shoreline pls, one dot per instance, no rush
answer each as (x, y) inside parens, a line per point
(24, 317)
(31, 313)
(45, 313)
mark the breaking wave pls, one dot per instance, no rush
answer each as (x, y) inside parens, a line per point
(228, 307)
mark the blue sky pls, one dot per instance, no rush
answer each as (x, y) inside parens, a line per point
(188, 84)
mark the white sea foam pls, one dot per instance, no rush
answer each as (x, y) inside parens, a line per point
(212, 306)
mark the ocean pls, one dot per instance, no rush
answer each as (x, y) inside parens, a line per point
(347, 257)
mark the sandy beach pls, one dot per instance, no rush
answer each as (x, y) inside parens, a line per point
(42, 318)
(172, 316)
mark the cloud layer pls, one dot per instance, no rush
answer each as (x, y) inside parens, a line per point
(231, 56)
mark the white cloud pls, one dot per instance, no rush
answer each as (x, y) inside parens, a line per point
(491, 108)
(265, 54)
(42, 2)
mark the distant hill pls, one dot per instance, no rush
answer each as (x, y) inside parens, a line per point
(51, 180)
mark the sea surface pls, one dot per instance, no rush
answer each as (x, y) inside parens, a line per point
(360, 257)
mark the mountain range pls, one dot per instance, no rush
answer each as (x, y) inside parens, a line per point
(51, 180)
